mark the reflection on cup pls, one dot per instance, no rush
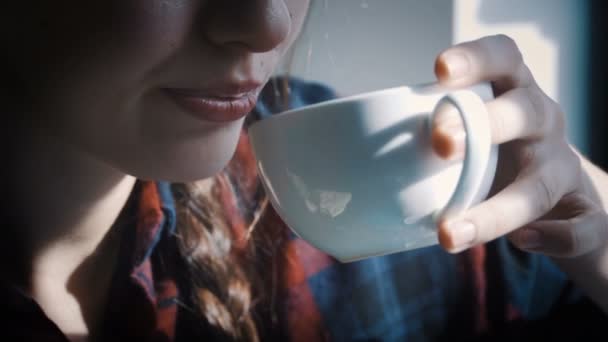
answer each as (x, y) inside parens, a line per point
(357, 177)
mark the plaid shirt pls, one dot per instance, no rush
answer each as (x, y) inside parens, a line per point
(487, 292)
(490, 292)
(142, 299)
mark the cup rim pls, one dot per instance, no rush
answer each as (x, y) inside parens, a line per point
(420, 89)
(429, 88)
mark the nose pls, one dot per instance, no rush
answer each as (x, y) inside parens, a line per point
(255, 25)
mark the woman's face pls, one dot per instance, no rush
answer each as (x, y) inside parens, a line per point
(155, 88)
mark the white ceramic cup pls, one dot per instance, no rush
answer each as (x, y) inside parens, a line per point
(357, 177)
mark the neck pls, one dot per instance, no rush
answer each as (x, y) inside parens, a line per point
(69, 202)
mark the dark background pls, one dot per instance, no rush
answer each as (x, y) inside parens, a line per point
(598, 94)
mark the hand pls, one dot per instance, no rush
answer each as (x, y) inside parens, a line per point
(538, 197)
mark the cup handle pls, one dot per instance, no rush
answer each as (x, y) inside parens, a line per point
(480, 155)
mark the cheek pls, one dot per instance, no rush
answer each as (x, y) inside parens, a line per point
(151, 139)
(120, 42)
(157, 28)
(169, 145)
(90, 80)
(98, 90)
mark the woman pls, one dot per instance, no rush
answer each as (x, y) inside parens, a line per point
(108, 101)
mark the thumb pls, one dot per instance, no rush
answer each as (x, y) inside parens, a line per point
(565, 238)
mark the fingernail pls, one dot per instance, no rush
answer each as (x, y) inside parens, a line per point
(530, 239)
(454, 140)
(461, 235)
(457, 64)
(453, 130)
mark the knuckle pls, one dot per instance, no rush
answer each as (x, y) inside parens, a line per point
(527, 156)
(546, 193)
(509, 42)
(541, 111)
(506, 39)
(511, 47)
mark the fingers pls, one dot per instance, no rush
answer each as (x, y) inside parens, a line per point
(546, 171)
(521, 113)
(565, 238)
(523, 201)
(495, 58)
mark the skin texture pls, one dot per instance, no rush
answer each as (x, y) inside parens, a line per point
(86, 116)
(558, 213)
(111, 60)
(531, 130)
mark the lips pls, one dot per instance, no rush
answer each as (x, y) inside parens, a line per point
(222, 103)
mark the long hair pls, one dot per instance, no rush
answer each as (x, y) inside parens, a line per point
(231, 241)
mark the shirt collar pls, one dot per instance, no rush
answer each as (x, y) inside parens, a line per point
(155, 216)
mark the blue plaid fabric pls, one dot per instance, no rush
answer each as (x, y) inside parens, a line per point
(421, 295)
(490, 292)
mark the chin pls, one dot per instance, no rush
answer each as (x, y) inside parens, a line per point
(179, 173)
(185, 167)
(172, 175)
(187, 160)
